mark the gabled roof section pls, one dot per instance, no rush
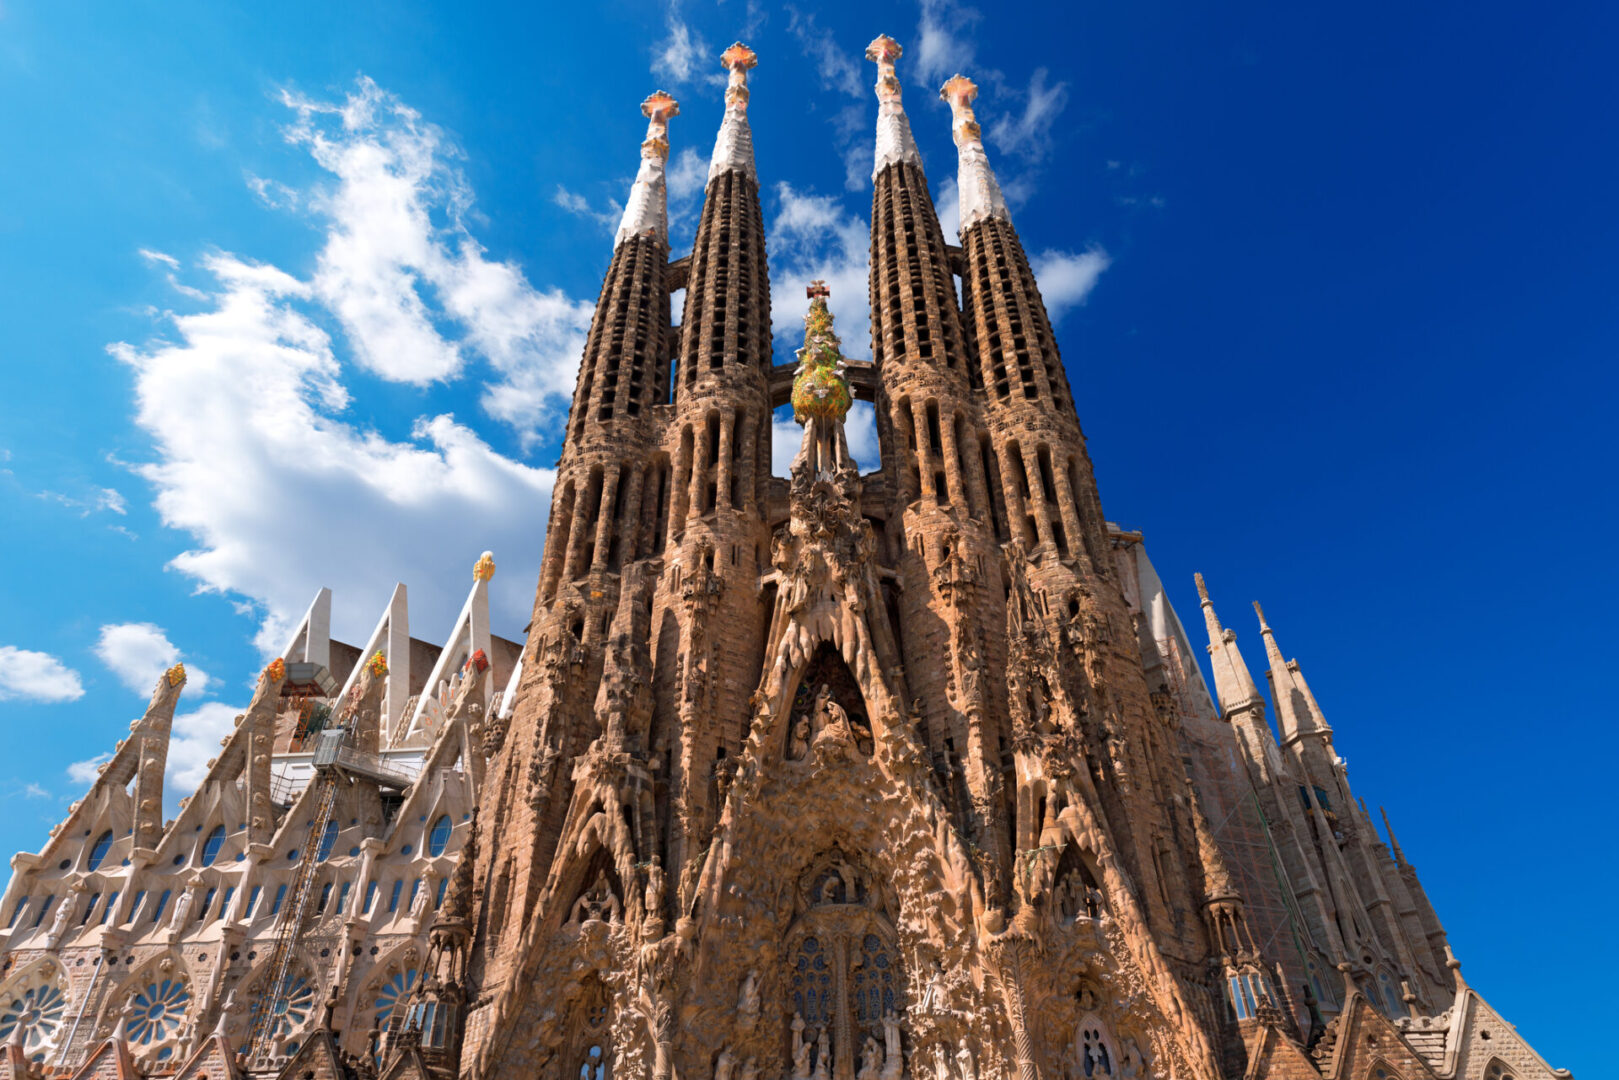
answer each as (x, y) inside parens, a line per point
(109, 1061)
(214, 1060)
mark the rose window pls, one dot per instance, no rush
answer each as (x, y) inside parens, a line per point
(291, 1009)
(38, 1012)
(391, 993)
(156, 1013)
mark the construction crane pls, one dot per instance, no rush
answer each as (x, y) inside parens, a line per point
(336, 761)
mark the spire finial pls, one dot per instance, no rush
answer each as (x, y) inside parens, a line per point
(738, 60)
(1264, 627)
(658, 108)
(1207, 605)
(646, 212)
(895, 143)
(980, 192)
(733, 149)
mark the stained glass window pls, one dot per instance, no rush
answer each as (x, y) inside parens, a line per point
(99, 849)
(440, 836)
(210, 846)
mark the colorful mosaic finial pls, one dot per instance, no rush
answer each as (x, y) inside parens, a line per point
(484, 568)
(177, 674)
(820, 391)
(275, 671)
(377, 665)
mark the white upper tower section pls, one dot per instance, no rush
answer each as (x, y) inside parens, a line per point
(980, 192)
(733, 148)
(894, 141)
(647, 211)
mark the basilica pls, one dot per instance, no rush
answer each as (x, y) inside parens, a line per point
(910, 774)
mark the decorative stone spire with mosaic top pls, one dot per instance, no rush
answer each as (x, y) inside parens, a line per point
(821, 396)
(647, 210)
(975, 181)
(733, 149)
(894, 140)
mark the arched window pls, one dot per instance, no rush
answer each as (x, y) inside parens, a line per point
(210, 846)
(327, 839)
(1098, 1055)
(1498, 1071)
(99, 849)
(439, 836)
(1396, 1007)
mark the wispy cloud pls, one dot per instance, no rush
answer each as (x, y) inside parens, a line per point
(85, 772)
(26, 675)
(1028, 134)
(575, 203)
(815, 237)
(943, 46)
(835, 65)
(1066, 278)
(139, 653)
(680, 57)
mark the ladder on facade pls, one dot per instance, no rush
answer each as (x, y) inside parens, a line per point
(273, 995)
(334, 760)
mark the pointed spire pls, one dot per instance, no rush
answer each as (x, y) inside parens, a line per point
(976, 185)
(1394, 844)
(1296, 714)
(150, 744)
(733, 149)
(1233, 685)
(647, 210)
(894, 141)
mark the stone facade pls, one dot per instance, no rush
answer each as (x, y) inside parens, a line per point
(824, 777)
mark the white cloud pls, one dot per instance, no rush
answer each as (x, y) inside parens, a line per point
(162, 257)
(1029, 134)
(26, 675)
(835, 66)
(34, 791)
(942, 45)
(246, 399)
(242, 402)
(85, 772)
(1066, 278)
(686, 177)
(575, 203)
(112, 500)
(138, 653)
(195, 739)
(815, 237)
(385, 258)
(677, 57)
(947, 204)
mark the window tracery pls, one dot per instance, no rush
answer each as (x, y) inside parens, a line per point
(37, 1005)
(844, 977)
(1096, 1051)
(154, 1015)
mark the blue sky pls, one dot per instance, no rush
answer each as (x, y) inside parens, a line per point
(295, 298)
